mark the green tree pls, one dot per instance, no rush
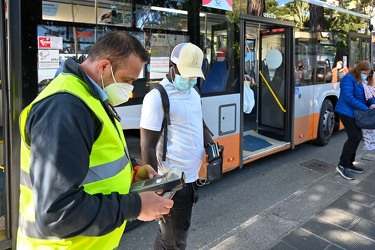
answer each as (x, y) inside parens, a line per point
(297, 12)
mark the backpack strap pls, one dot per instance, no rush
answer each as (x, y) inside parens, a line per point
(167, 119)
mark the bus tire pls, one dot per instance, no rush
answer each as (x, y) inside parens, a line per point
(326, 124)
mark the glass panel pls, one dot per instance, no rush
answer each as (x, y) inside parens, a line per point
(272, 89)
(325, 59)
(2, 206)
(152, 17)
(69, 42)
(315, 56)
(365, 49)
(108, 12)
(355, 50)
(2, 174)
(77, 42)
(219, 55)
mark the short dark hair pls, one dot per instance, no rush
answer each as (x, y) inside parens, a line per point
(117, 46)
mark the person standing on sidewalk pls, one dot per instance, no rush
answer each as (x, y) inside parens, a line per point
(352, 96)
(368, 140)
(185, 142)
(75, 167)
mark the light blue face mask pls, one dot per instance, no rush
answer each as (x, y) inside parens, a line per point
(183, 84)
(364, 77)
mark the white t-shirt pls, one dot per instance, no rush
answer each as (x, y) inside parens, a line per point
(185, 134)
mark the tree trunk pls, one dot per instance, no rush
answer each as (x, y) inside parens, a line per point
(256, 7)
(316, 18)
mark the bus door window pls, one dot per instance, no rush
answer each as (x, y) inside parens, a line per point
(2, 173)
(250, 59)
(272, 89)
(359, 48)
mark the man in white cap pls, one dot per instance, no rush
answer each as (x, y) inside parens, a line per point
(185, 144)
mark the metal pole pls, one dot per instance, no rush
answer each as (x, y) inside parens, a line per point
(74, 32)
(371, 27)
(96, 21)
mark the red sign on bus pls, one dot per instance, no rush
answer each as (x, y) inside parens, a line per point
(50, 42)
(44, 42)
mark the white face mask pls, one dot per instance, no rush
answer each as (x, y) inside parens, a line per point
(118, 92)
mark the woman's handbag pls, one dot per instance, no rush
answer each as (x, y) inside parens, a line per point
(365, 118)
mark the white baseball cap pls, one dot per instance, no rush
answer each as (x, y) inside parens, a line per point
(188, 58)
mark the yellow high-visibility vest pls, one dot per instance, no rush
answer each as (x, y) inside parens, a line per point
(109, 157)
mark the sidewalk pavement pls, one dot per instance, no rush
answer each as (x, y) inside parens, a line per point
(346, 219)
(326, 212)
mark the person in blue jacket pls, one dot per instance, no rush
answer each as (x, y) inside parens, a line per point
(352, 96)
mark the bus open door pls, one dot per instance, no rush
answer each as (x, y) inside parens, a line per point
(267, 129)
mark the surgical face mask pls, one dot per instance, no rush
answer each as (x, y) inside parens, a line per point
(182, 83)
(364, 77)
(118, 92)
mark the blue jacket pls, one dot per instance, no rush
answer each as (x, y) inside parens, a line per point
(352, 96)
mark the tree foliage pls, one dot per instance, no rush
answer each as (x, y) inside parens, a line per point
(308, 17)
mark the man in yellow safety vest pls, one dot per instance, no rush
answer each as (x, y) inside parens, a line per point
(75, 167)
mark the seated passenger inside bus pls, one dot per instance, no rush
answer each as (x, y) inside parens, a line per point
(339, 72)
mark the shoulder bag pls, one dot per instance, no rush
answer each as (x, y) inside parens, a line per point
(365, 118)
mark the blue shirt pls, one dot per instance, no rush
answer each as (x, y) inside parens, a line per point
(99, 91)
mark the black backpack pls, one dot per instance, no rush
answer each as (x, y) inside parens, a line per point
(167, 118)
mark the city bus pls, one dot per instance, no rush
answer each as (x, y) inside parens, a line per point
(288, 49)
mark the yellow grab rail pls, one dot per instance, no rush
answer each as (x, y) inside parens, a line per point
(273, 93)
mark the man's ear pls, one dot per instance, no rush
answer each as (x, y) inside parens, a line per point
(102, 65)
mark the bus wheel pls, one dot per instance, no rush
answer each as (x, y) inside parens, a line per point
(326, 124)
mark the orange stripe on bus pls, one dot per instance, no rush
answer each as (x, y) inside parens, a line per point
(305, 128)
(231, 157)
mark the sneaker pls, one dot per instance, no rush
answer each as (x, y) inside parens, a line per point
(344, 172)
(355, 169)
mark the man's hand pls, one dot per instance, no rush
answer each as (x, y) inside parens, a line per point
(153, 206)
(145, 172)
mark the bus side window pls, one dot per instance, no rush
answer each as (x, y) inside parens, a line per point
(320, 72)
(205, 66)
(217, 78)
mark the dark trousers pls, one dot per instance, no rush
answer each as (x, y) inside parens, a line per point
(173, 232)
(354, 138)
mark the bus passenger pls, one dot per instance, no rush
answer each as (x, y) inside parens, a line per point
(185, 142)
(75, 168)
(368, 140)
(299, 73)
(339, 72)
(352, 96)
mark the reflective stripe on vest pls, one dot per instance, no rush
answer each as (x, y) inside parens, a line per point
(110, 171)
